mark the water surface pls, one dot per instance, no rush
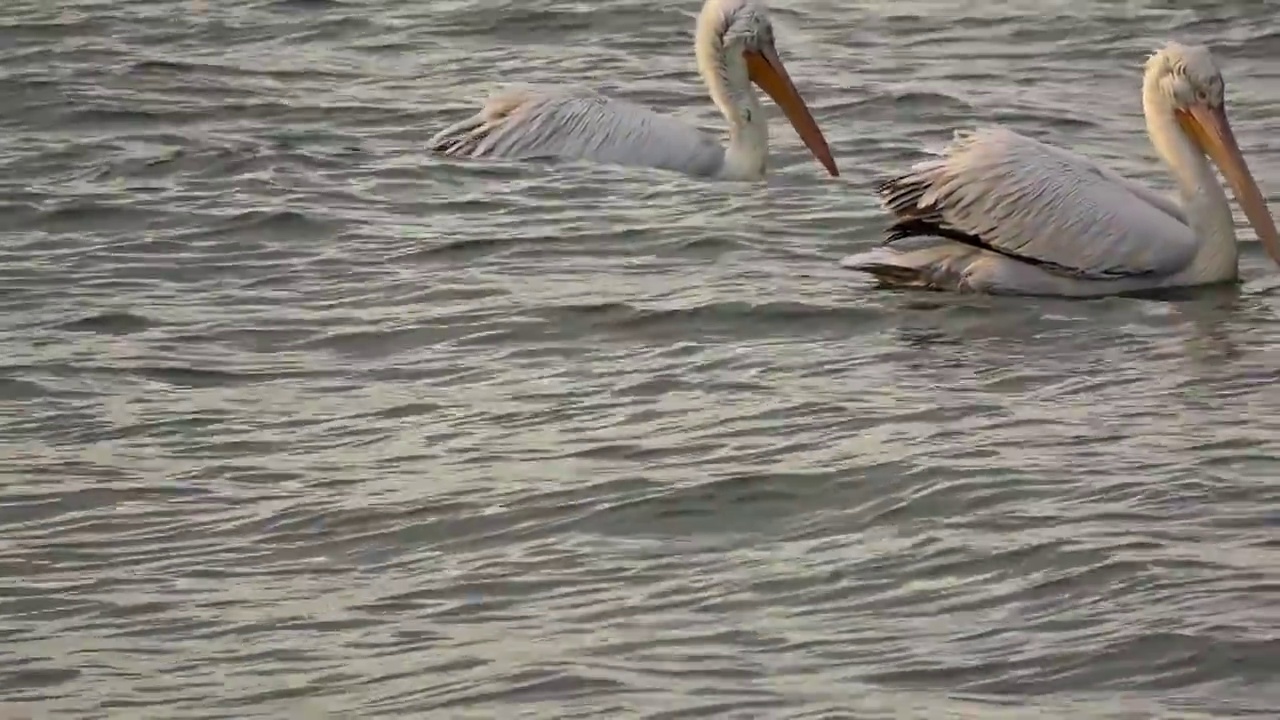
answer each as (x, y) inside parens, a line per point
(301, 421)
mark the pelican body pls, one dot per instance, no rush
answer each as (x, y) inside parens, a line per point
(1001, 213)
(734, 46)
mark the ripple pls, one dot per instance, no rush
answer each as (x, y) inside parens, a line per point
(111, 323)
(301, 420)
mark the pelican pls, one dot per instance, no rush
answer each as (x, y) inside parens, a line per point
(734, 46)
(1000, 213)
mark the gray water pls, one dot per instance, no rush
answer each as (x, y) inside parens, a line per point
(302, 422)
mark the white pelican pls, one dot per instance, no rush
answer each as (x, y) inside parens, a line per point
(734, 46)
(1005, 214)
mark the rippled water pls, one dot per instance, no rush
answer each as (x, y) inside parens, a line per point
(303, 422)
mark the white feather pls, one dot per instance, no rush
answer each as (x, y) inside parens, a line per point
(572, 123)
(1046, 205)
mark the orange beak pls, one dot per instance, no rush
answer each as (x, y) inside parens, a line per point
(766, 70)
(1208, 127)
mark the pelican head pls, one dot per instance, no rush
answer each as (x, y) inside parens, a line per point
(735, 46)
(1189, 84)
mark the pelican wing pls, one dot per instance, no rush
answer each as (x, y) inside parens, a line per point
(582, 125)
(1010, 194)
